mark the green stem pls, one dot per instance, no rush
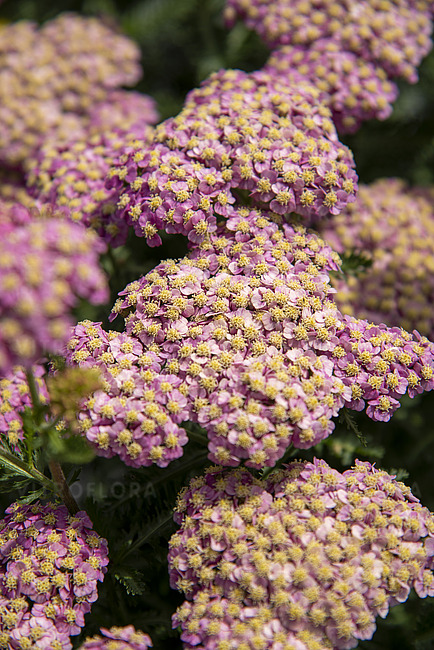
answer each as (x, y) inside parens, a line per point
(62, 486)
(58, 484)
(19, 467)
(34, 394)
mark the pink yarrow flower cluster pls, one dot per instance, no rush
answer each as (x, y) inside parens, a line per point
(306, 559)
(126, 110)
(53, 75)
(70, 175)
(392, 226)
(350, 50)
(118, 638)
(137, 415)
(248, 334)
(381, 364)
(46, 265)
(354, 89)
(50, 564)
(393, 34)
(237, 132)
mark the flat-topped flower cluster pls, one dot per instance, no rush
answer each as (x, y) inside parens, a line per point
(394, 33)
(238, 131)
(64, 116)
(51, 76)
(50, 564)
(138, 413)
(242, 337)
(46, 266)
(392, 226)
(354, 89)
(304, 560)
(350, 50)
(70, 174)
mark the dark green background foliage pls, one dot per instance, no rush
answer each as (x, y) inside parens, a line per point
(182, 42)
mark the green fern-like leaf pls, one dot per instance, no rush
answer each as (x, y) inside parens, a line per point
(131, 580)
(32, 496)
(348, 419)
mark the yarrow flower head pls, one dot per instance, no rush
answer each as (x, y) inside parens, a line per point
(354, 89)
(46, 265)
(238, 131)
(137, 414)
(125, 111)
(381, 364)
(52, 75)
(393, 227)
(306, 559)
(394, 34)
(50, 564)
(118, 638)
(248, 326)
(70, 174)
(14, 399)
